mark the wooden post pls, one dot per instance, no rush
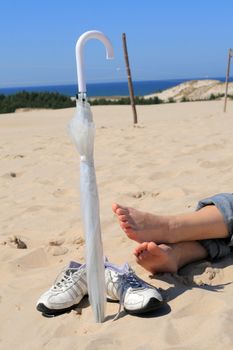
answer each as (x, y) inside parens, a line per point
(227, 79)
(130, 85)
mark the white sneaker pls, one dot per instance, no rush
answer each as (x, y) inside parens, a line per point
(122, 285)
(69, 289)
(134, 294)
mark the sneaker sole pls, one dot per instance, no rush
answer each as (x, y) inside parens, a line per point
(46, 312)
(152, 305)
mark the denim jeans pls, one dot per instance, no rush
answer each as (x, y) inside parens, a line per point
(218, 248)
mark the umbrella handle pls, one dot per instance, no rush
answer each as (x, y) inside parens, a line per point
(93, 34)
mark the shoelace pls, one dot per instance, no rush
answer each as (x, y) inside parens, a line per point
(126, 281)
(66, 279)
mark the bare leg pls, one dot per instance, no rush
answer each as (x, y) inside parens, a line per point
(205, 223)
(168, 258)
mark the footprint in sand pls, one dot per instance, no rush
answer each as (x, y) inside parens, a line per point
(38, 149)
(60, 192)
(142, 194)
(58, 251)
(12, 174)
(212, 164)
(56, 248)
(33, 259)
(44, 182)
(13, 156)
(34, 208)
(192, 149)
(56, 242)
(19, 156)
(138, 195)
(79, 241)
(154, 194)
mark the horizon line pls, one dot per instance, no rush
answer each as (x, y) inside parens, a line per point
(107, 82)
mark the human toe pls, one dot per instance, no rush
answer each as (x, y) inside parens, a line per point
(121, 211)
(115, 206)
(123, 218)
(140, 248)
(152, 247)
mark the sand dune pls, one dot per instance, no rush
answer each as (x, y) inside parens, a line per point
(194, 90)
(178, 154)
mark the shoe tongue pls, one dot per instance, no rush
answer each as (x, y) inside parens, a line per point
(74, 265)
(125, 268)
(120, 269)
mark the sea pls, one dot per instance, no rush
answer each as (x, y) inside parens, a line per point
(105, 89)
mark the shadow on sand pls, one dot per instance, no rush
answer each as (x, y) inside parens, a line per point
(200, 275)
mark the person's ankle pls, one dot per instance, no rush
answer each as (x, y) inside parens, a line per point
(173, 261)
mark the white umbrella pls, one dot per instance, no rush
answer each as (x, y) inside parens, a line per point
(82, 130)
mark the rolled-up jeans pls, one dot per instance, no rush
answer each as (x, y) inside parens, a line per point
(219, 248)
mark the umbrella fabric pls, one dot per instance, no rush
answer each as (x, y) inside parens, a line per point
(82, 131)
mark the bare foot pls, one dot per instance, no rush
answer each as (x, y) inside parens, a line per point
(156, 258)
(141, 226)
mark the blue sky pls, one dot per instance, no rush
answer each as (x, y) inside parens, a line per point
(167, 39)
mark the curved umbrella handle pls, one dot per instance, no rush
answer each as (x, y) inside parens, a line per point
(93, 34)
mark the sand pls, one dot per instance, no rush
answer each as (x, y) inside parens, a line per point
(178, 154)
(194, 90)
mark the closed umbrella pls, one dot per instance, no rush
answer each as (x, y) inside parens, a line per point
(82, 130)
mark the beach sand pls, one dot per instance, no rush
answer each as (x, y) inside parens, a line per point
(178, 154)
